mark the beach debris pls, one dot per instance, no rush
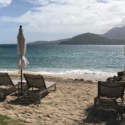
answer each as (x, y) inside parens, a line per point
(89, 81)
(95, 81)
(78, 79)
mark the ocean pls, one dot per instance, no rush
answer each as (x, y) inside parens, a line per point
(66, 59)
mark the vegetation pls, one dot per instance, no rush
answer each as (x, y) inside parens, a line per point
(5, 120)
(93, 39)
(84, 39)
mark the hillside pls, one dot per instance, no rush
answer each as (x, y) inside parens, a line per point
(115, 33)
(83, 39)
(93, 39)
(58, 41)
(47, 42)
(37, 42)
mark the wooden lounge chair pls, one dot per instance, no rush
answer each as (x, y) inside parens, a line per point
(7, 85)
(36, 81)
(108, 92)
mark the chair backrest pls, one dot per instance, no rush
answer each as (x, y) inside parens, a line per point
(111, 89)
(5, 79)
(35, 80)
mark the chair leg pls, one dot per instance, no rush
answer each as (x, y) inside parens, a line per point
(18, 94)
(40, 99)
(95, 110)
(55, 87)
(119, 111)
(18, 91)
(15, 92)
(95, 107)
(4, 94)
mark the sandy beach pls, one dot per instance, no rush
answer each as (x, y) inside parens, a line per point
(71, 104)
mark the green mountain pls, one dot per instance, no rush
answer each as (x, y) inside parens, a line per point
(58, 41)
(92, 39)
(84, 39)
(115, 33)
(47, 42)
(37, 42)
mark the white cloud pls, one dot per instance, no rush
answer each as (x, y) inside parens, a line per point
(44, 2)
(76, 16)
(123, 21)
(41, 2)
(5, 3)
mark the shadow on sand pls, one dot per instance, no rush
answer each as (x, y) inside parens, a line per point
(26, 100)
(102, 116)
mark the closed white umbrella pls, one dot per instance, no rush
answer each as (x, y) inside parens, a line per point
(21, 50)
(124, 55)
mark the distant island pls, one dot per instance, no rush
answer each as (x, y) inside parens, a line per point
(115, 36)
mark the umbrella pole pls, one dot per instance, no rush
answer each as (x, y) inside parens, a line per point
(21, 79)
(21, 83)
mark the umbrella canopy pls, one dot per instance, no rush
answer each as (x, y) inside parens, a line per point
(21, 49)
(124, 55)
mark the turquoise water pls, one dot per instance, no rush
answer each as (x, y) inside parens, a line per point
(66, 59)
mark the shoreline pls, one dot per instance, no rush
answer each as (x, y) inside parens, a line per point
(84, 77)
(77, 73)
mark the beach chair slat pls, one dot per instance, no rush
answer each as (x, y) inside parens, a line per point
(108, 92)
(37, 81)
(7, 82)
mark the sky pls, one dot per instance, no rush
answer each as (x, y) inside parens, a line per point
(58, 19)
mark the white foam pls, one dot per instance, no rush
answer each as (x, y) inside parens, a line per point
(8, 70)
(65, 72)
(80, 72)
